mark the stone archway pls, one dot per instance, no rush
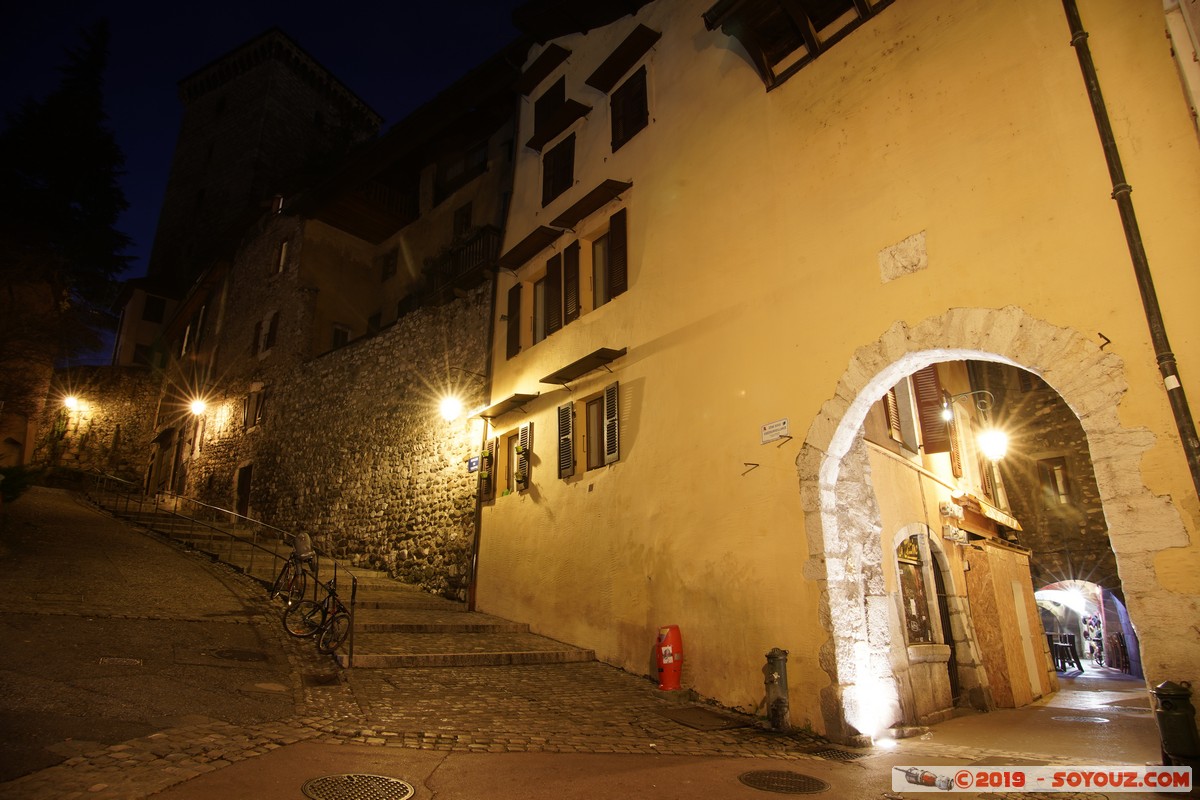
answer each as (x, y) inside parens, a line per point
(842, 517)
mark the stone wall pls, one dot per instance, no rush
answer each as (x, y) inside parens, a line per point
(110, 429)
(355, 451)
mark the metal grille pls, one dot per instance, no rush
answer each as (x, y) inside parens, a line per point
(783, 782)
(357, 787)
(834, 754)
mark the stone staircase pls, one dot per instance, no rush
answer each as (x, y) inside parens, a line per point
(395, 624)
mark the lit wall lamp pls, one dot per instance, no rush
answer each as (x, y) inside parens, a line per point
(451, 406)
(992, 441)
(71, 402)
(198, 406)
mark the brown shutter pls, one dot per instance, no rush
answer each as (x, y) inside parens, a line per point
(566, 440)
(612, 426)
(554, 294)
(618, 255)
(571, 283)
(487, 470)
(955, 450)
(935, 437)
(514, 321)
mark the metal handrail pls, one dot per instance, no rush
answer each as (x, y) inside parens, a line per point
(133, 493)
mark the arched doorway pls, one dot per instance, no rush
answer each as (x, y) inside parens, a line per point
(835, 477)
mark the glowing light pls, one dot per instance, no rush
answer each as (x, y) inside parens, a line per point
(886, 743)
(199, 407)
(71, 402)
(451, 408)
(994, 444)
(947, 413)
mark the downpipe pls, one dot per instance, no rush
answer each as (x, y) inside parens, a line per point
(1141, 267)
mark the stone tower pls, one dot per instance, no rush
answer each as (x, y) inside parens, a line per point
(256, 122)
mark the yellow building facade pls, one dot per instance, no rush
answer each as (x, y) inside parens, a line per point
(708, 285)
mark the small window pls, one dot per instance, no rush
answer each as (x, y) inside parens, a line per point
(558, 169)
(602, 428)
(600, 272)
(254, 408)
(629, 109)
(386, 263)
(272, 332)
(341, 336)
(548, 104)
(1056, 488)
(281, 260)
(374, 323)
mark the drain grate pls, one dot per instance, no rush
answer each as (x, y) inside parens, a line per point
(357, 787)
(783, 781)
(834, 754)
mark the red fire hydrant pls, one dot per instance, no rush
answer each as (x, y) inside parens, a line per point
(669, 654)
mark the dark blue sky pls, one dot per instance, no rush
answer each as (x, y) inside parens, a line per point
(393, 55)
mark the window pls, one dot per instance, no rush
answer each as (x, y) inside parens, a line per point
(629, 109)
(154, 308)
(558, 169)
(341, 336)
(781, 36)
(1052, 476)
(253, 408)
(514, 322)
(272, 332)
(600, 294)
(374, 323)
(510, 461)
(460, 169)
(548, 104)
(281, 259)
(601, 444)
(487, 471)
(518, 450)
(385, 263)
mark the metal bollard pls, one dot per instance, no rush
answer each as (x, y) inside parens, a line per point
(1176, 718)
(775, 678)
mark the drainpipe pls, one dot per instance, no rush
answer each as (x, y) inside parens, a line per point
(1133, 236)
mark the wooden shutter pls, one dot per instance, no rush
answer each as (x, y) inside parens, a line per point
(612, 426)
(566, 440)
(571, 283)
(955, 450)
(618, 255)
(935, 437)
(524, 460)
(554, 294)
(891, 405)
(514, 321)
(487, 471)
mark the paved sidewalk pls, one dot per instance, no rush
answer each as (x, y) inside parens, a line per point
(558, 730)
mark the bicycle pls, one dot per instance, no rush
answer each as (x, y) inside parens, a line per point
(292, 581)
(328, 621)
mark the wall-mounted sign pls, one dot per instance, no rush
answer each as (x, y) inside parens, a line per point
(774, 431)
(473, 464)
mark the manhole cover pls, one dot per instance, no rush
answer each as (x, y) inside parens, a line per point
(783, 782)
(1081, 719)
(834, 754)
(357, 787)
(234, 654)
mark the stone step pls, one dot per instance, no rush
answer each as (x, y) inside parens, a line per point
(432, 621)
(383, 650)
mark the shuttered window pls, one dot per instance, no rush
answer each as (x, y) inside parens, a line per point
(558, 169)
(554, 294)
(521, 478)
(612, 427)
(566, 440)
(618, 255)
(891, 405)
(629, 109)
(514, 321)
(571, 283)
(487, 471)
(935, 436)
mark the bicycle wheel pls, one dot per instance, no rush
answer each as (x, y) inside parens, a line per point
(296, 586)
(304, 618)
(334, 633)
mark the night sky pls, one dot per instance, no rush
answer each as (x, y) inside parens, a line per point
(395, 56)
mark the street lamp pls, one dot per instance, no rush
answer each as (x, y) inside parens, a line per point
(198, 406)
(451, 408)
(992, 441)
(71, 402)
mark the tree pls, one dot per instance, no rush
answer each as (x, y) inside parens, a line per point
(59, 248)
